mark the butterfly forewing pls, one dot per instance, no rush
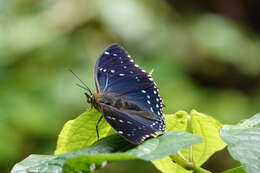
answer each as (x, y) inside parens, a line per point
(116, 72)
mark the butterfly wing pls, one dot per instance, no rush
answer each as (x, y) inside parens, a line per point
(116, 72)
(132, 127)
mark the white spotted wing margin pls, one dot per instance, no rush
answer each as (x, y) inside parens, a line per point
(131, 126)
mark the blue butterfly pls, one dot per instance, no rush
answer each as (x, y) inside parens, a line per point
(126, 96)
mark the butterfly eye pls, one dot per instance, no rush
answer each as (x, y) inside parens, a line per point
(89, 97)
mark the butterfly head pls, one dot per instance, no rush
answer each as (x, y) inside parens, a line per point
(90, 97)
(93, 99)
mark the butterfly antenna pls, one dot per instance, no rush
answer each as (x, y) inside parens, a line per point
(84, 86)
(81, 86)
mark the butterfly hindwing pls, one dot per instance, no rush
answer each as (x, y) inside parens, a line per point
(133, 128)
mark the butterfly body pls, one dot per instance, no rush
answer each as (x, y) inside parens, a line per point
(110, 99)
(126, 96)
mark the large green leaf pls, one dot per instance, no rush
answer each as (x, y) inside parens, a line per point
(202, 125)
(244, 142)
(81, 132)
(199, 124)
(110, 148)
(169, 143)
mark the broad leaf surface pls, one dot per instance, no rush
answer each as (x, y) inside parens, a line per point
(202, 125)
(81, 132)
(244, 142)
(110, 148)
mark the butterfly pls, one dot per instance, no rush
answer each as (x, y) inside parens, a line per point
(126, 96)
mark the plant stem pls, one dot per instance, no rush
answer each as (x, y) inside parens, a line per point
(187, 165)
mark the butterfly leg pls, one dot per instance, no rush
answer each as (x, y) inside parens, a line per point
(99, 120)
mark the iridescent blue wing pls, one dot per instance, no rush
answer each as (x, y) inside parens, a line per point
(116, 72)
(129, 125)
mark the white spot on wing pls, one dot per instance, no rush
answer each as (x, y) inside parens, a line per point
(112, 71)
(120, 132)
(143, 91)
(121, 74)
(107, 53)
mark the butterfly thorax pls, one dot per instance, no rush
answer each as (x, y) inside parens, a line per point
(119, 102)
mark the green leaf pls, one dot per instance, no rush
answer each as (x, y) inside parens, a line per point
(81, 132)
(202, 125)
(169, 143)
(166, 165)
(110, 148)
(235, 170)
(243, 142)
(199, 124)
(36, 163)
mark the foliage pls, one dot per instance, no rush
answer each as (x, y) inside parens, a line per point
(181, 149)
(107, 149)
(199, 124)
(243, 142)
(80, 134)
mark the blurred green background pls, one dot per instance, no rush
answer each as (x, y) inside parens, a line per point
(205, 56)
